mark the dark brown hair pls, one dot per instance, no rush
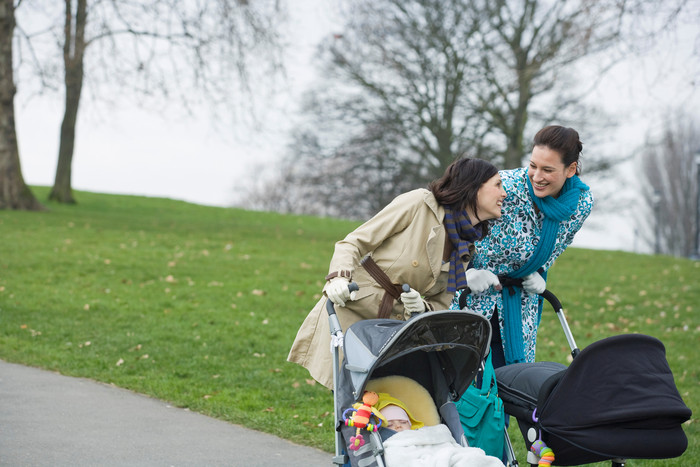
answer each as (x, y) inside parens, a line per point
(563, 140)
(459, 185)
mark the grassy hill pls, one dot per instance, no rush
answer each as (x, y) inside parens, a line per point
(199, 305)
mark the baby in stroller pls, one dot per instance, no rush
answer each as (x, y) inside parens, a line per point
(397, 419)
(411, 442)
(422, 365)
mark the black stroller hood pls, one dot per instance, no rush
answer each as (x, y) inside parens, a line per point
(441, 350)
(617, 399)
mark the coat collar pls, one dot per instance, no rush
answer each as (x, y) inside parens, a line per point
(431, 202)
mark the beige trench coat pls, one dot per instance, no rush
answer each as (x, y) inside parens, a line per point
(406, 239)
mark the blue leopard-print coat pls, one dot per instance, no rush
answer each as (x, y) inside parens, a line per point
(511, 241)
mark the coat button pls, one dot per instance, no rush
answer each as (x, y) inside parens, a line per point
(414, 263)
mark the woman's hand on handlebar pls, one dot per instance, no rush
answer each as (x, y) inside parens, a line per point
(479, 280)
(534, 283)
(338, 291)
(412, 302)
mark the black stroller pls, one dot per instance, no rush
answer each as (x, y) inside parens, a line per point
(441, 351)
(617, 400)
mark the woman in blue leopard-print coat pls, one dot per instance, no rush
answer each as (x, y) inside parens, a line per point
(546, 205)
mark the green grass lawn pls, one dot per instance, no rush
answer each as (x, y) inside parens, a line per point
(199, 305)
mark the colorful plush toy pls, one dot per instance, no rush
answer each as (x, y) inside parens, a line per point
(361, 417)
(544, 452)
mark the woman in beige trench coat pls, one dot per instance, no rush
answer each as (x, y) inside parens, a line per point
(423, 238)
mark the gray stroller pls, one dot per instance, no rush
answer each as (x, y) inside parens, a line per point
(441, 351)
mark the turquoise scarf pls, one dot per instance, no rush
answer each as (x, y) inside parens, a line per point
(555, 210)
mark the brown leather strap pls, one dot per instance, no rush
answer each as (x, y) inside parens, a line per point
(392, 291)
(344, 273)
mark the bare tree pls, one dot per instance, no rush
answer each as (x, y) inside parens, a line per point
(157, 50)
(670, 188)
(405, 67)
(421, 82)
(14, 193)
(528, 49)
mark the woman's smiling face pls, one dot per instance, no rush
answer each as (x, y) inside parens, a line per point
(489, 200)
(547, 172)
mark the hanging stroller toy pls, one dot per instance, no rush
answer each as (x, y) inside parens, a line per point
(361, 417)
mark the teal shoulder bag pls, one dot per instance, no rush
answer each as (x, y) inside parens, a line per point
(482, 415)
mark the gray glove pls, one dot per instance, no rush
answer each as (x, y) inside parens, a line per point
(412, 303)
(479, 280)
(534, 283)
(338, 292)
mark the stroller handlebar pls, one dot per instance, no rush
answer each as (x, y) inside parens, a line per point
(330, 307)
(506, 282)
(547, 295)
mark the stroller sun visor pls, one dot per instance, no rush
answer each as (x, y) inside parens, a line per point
(459, 339)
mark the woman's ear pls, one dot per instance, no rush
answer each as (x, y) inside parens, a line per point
(571, 169)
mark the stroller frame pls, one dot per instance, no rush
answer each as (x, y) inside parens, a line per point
(336, 342)
(439, 351)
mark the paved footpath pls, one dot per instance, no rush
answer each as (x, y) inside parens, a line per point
(47, 419)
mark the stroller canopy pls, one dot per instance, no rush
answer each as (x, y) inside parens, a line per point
(617, 399)
(440, 349)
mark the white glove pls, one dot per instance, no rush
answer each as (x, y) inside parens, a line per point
(338, 292)
(479, 280)
(412, 302)
(534, 283)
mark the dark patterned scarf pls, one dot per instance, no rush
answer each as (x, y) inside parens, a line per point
(462, 236)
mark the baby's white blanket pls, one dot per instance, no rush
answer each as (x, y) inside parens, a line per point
(433, 446)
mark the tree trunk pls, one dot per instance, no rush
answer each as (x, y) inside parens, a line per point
(73, 53)
(14, 193)
(515, 149)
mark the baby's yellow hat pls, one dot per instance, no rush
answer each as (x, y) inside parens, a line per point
(386, 402)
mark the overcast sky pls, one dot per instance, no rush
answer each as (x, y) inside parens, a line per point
(132, 151)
